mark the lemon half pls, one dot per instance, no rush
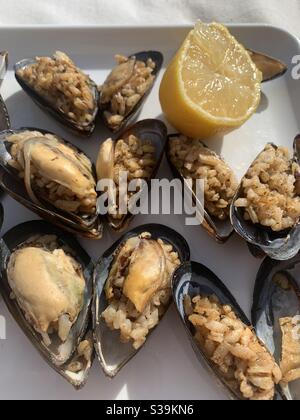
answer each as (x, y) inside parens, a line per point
(211, 85)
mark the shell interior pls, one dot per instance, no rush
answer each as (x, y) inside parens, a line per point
(84, 129)
(158, 58)
(87, 226)
(218, 229)
(276, 296)
(57, 354)
(114, 355)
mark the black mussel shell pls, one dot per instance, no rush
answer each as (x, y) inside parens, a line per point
(28, 233)
(4, 117)
(1, 215)
(193, 279)
(220, 230)
(46, 105)
(158, 58)
(270, 67)
(154, 131)
(277, 296)
(112, 354)
(3, 65)
(261, 240)
(89, 226)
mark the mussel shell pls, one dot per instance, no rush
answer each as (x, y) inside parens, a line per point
(3, 65)
(46, 105)
(193, 279)
(8, 244)
(158, 58)
(220, 230)
(270, 67)
(263, 241)
(90, 227)
(112, 354)
(272, 300)
(156, 132)
(4, 117)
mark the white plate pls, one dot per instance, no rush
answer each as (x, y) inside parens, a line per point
(167, 367)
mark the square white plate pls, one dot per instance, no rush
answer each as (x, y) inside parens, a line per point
(166, 368)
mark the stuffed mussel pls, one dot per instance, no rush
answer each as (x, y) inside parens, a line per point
(127, 87)
(50, 297)
(266, 209)
(136, 154)
(191, 160)
(133, 291)
(61, 88)
(52, 178)
(222, 336)
(275, 314)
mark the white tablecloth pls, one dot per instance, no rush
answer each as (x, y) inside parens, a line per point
(277, 12)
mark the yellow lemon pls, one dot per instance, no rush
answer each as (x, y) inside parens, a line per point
(211, 85)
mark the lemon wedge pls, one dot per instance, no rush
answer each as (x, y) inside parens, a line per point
(211, 85)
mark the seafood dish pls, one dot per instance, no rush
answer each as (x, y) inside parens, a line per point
(136, 155)
(61, 88)
(127, 86)
(74, 309)
(222, 336)
(192, 160)
(275, 315)
(133, 291)
(50, 297)
(52, 178)
(266, 208)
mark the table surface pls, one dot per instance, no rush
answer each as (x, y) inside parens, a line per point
(149, 12)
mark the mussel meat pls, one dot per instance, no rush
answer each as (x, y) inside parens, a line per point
(52, 178)
(271, 68)
(50, 297)
(275, 314)
(127, 86)
(191, 160)
(222, 336)
(137, 153)
(61, 88)
(133, 291)
(266, 209)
